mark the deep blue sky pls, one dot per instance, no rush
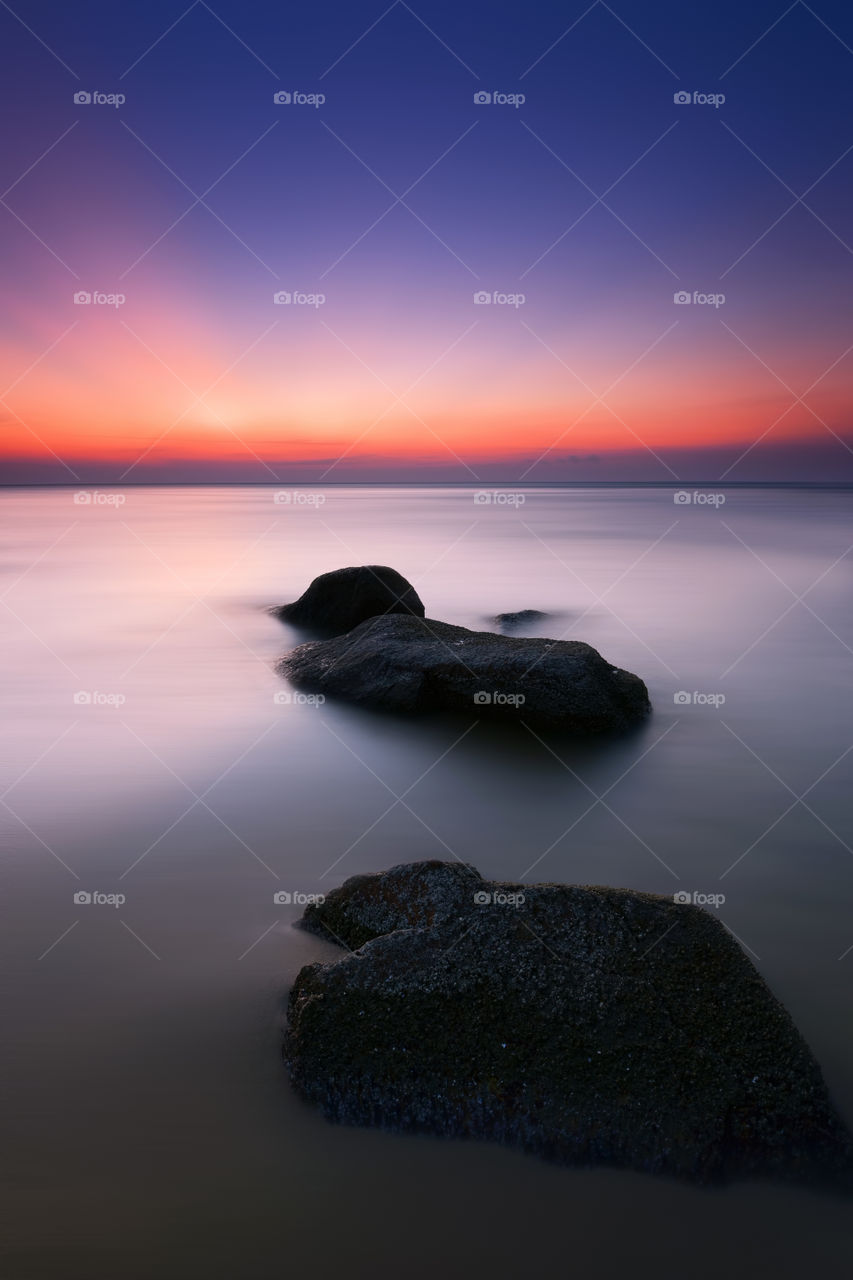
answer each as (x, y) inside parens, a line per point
(496, 188)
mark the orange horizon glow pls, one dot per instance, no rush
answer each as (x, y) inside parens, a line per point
(145, 384)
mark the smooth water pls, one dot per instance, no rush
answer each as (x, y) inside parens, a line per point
(150, 1128)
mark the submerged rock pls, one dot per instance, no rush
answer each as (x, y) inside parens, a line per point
(338, 601)
(522, 618)
(409, 664)
(590, 1025)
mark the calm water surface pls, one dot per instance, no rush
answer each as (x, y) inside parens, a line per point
(149, 1125)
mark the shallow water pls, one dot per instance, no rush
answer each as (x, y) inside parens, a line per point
(151, 1128)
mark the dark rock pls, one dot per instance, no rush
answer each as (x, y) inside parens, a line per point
(409, 664)
(412, 895)
(523, 618)
(590, 1025)
(336, 602)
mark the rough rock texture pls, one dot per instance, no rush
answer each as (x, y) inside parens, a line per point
(403, 663)
(590, 1025)
(336, 602)
(522, 618)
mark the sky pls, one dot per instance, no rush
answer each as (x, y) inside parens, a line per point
(524, 243)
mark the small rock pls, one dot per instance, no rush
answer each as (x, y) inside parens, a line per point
(336, 602)
(523, 618)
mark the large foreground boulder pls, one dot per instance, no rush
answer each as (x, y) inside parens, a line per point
(338, 601)
(403, 663)
(590, 1025)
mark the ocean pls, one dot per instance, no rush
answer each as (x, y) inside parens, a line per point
(165, 793)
